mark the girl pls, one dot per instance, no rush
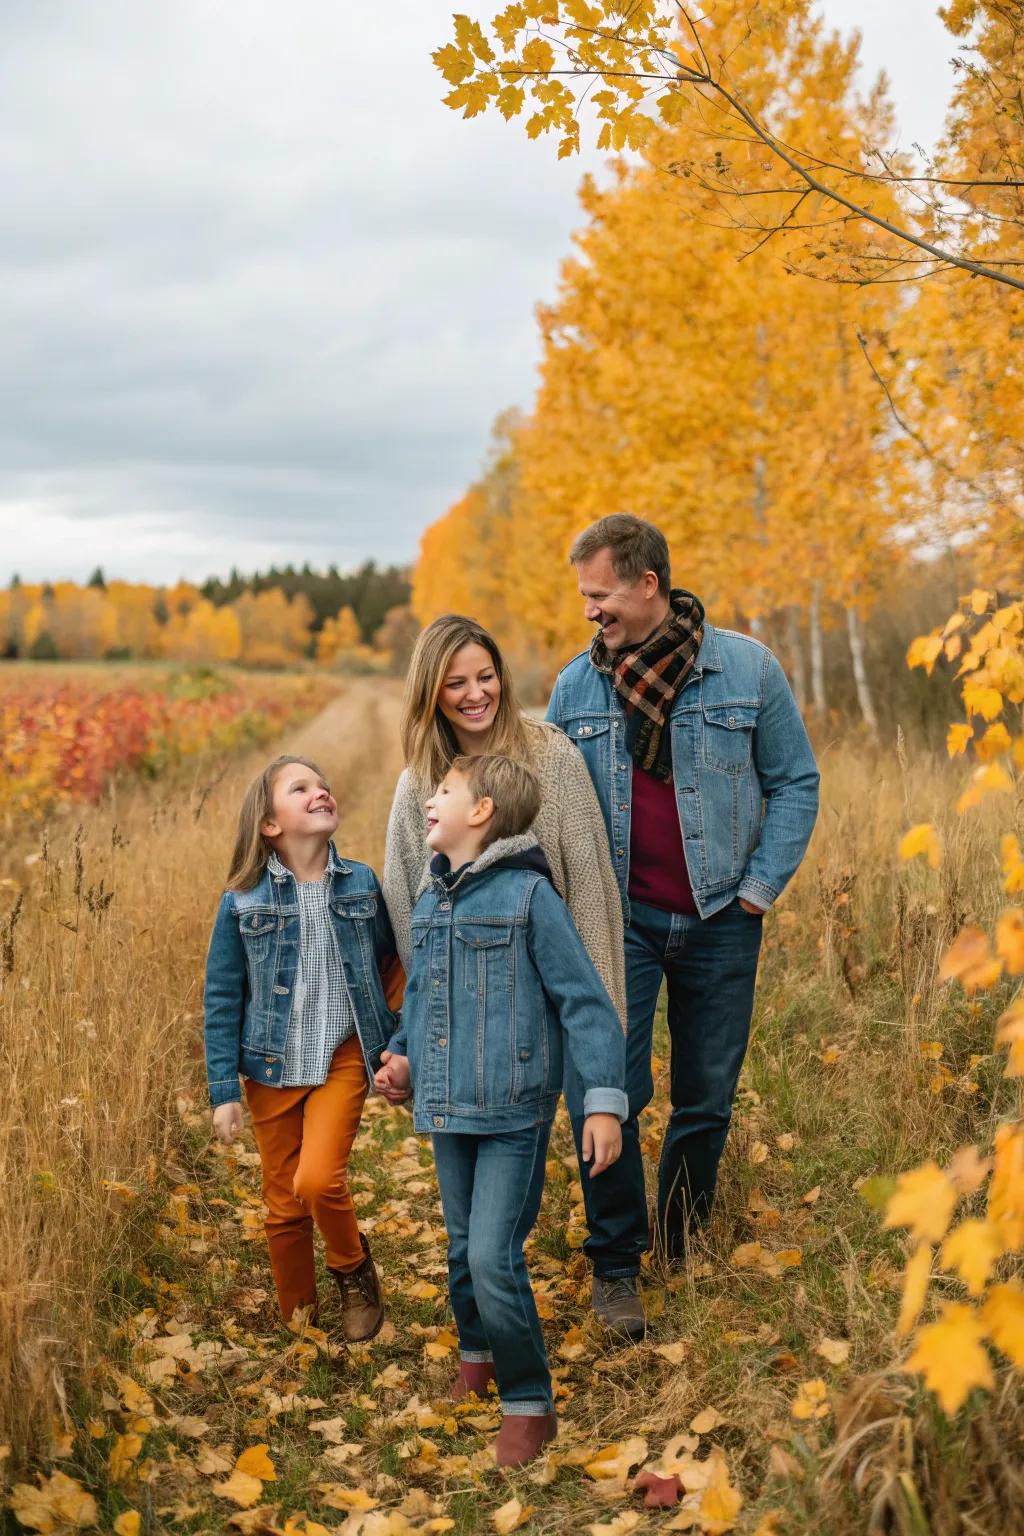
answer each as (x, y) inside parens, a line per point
(295, 1003)
(460, 700)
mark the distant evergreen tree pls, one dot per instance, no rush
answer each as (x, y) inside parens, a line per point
(97, 579)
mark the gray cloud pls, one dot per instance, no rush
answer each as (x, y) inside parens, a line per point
(261, 292)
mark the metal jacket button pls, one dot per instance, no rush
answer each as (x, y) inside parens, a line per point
(443, 1040)
(269, 1073)
(439, 1119)
(282, 990)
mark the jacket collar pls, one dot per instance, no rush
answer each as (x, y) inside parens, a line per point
(708, 659)
(494, 853)
(335, 865)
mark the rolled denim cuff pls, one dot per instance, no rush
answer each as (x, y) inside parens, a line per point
(754, 890)
(227, 1090)
(528, 1410)
(476, 1356)
(606, 1101)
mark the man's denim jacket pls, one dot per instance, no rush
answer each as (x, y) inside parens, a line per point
(745, 777)
(500, 992)
(252, 965)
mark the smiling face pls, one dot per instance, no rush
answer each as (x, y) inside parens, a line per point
(302, 805)
(469, 696)
(626, 612)
(455, 818)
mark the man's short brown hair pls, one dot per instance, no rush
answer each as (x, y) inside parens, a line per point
(634, 546)
(513, 788)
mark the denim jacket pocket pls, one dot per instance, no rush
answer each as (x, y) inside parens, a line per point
(484, 962)
(728, 733)
(256, 924)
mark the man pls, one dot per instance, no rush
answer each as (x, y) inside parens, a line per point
(709, 791)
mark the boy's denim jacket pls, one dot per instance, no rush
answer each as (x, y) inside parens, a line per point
(745, 777)
(500, 987)
(252, 964)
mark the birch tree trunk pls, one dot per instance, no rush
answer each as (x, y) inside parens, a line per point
(860, 675)
(797, 665)
(817, 653)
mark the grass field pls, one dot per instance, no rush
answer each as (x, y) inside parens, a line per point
(140, 1352)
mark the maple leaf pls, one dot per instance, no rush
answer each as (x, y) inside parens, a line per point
(1006, 1191)
(921, 841)
(915, 1287)
(1010, 940)
(971, 1249)
(1003, 1316)
(924, 1201)
(1010, 1031)
(970, 961)
(951, 1356)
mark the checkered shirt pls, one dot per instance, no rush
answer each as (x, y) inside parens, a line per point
(322, 1015)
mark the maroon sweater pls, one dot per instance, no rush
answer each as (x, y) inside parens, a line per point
(658, 876)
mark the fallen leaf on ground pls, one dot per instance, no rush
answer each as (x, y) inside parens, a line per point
(614, 1462)
(241, 1488)
(835, 1351)
(620, 1526)
(811, 1402)
(510, 1517)
(58, 1502)
(257, 1463)
(707, 1420)
(673, 1353)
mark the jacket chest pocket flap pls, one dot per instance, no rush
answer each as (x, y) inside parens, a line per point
(354, 906)
(484, 955)
(256, 926)
(728, 733)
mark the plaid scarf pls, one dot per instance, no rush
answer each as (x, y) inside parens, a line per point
(648, 677)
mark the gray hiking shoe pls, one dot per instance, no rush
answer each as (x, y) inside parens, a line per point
(617, 1306)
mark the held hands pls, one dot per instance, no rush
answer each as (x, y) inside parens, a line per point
(602, 1142)
(227, 1121)
(393, 1080)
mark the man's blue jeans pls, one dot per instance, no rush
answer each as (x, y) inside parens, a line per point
(490, 1192)
(711, 967)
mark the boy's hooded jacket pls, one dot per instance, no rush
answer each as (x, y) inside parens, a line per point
(253, 962)
(500, 990)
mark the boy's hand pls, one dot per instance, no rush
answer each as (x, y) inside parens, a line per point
(602, 1142)
(227, 1121)
(394, 1079)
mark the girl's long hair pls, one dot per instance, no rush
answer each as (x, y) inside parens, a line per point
(428, 740)
(252, 850)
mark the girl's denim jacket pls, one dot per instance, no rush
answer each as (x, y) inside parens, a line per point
(500, 991)
(252, 965)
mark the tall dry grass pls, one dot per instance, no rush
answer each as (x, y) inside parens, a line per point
(104, 922)
(100, 1033)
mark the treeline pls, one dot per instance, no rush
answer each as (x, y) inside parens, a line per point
(280, 618)
(819, 446)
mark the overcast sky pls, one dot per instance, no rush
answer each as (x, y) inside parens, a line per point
(261, 294)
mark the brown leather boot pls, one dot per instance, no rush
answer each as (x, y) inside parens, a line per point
(521, 1437)
(474, 1376)
(362, 1305)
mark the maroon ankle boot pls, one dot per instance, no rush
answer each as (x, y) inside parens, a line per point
(521, 1437)
(474, 1376)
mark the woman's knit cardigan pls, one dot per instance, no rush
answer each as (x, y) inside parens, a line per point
(570, 829)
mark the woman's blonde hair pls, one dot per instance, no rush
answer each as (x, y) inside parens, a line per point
(252, 850)
(428, 740)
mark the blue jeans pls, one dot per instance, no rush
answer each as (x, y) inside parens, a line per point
(711, 967)
(490, 1192)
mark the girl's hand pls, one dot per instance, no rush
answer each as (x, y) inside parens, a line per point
(394, 1079)
(602, 1142)
(227, 1121)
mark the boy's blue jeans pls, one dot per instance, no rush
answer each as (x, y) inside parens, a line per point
(490, 1191)
(711, 967)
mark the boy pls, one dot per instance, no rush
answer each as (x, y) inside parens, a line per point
(499, 983)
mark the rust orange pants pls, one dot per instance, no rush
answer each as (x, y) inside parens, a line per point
(305, 1136)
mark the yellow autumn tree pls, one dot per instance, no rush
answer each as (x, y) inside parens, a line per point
(339, 635)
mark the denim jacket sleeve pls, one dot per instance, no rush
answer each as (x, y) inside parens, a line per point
(554, 714)
(224, 996)
(789, 782)
(593, 1035)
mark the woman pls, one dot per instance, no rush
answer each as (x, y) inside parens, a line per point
(460, 700)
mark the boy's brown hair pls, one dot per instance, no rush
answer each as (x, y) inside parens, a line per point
(513, 789)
